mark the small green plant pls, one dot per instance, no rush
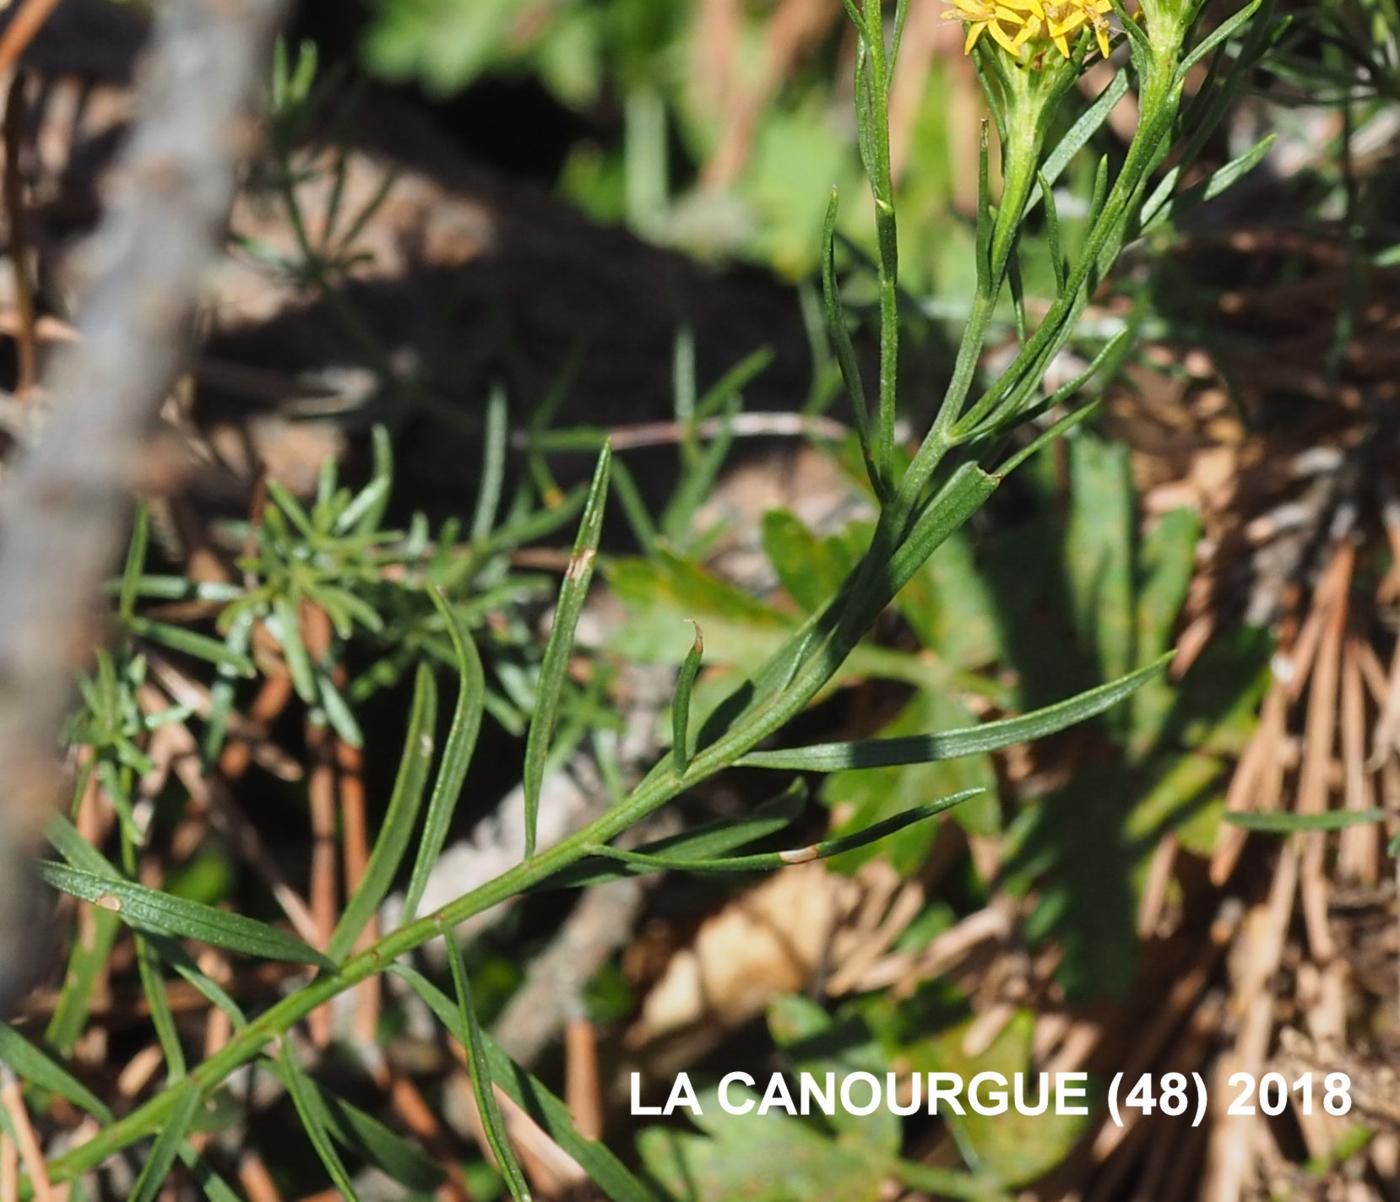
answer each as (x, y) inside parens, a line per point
(412, 596)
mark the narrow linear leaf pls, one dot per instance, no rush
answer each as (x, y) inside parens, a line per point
(168, 1144)
(456, 754)
(836, 329)
(363, 1134)
(184, 965)
(399, 820)
(1221, 33)
(609, 1174)
(1288, 823)
(493, 465)
(294, 649)
(193, 644)
(71, 845)
(680, 706)
(1078, 135)
(158, 1002)
(68, 841)
(486, 1104)
(947, 745)
(572, 594)
(147, 909)
(1161, 208)
(215, 1188)
(36, 1068)
(764, 862)
(703, 843)
(304, 1098)
(135, 561)
(337, 711)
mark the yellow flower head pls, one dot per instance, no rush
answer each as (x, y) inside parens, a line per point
(1018, 26)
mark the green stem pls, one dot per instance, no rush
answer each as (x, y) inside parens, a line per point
(1159, 99)
(879, 167)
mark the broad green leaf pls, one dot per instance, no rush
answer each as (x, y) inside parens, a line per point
(456, 754)
(35, 1067)
(168, 1144)
(1290, 822)
(664, 590)
(867, 795)
(811, 569)
(482, 1085)
(1166, 563)
(952, 744)
(1099, 549)
(306, 1100)
(147, 909)
(815, 1042)
(1086, 848)
(1011, 1148)
(572, 594)
(950, 607)
(605, 1170)
(770, 1158)
(399, 820)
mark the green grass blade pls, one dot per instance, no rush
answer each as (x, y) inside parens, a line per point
(572, 594)
(680, 705)
(1288, 823)
(400, 819)
(147, 909)
(457, 754)
(35, 1067)
(948, 745)
(767, 861)
(607, 1172)
(305, 1099)
(482, 1082)
(168, 1144)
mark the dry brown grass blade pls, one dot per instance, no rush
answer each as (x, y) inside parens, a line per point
(12, 1100)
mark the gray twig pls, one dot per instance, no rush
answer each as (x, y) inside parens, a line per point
(67, 502)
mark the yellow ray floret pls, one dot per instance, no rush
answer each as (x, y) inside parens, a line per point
(1017, 25)
(1002, 20)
